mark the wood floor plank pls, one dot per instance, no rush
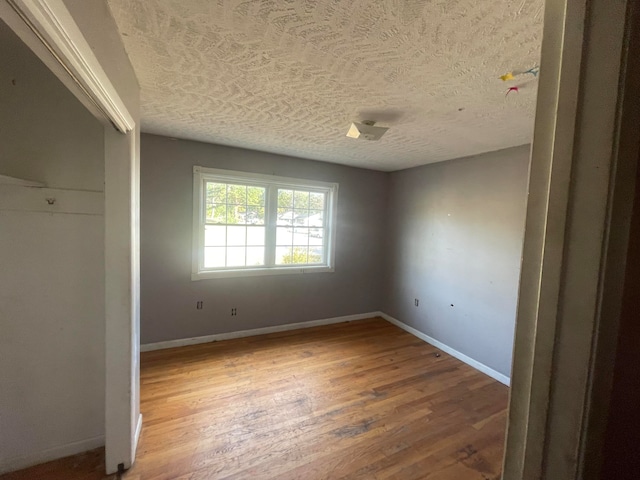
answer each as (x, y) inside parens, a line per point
(358, 400)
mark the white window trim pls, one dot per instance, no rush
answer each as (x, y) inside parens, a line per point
(203, 174)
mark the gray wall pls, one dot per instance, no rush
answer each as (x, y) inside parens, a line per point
(455, 241)
(40, 121)
(169, 296)
(52, 367)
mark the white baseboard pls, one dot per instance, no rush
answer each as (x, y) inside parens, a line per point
(445, 348)
(36, 458)
(256, 331)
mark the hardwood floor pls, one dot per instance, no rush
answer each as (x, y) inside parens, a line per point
(361, 400)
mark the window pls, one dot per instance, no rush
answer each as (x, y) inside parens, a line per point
(250, 224)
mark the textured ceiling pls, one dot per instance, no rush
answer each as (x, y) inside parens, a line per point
(289, 76)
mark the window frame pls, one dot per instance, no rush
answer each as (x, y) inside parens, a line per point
(271, 183)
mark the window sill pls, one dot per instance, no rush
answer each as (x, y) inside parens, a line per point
(258, 272)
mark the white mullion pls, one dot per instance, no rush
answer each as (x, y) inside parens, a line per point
(308, 229)
(226, 238)
(271, 220)
(203, 220)
(327, 225)
(226, 224)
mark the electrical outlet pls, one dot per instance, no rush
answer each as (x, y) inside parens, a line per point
(416, 302)
(234, 312)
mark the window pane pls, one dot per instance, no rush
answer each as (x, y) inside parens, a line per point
(300, 217)
(236, 256)
(216, 192)
(316, 255)
(285, 216)
(215, 236)
(316, 236)
(316, 201)
(236, 236)
(301, 200)
(300, 236)
(255, 236)
(316, 218)
(255, 256)
(217, 213)
(284, 236)
(285, 198)
(281, 252)
(255, 196)
(214, 257)
(237, 194)
(291, 255)
(255, 216)
(236, 214)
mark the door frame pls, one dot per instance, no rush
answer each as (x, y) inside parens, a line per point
(579, 193)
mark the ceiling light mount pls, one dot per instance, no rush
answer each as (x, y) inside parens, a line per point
(366, 130)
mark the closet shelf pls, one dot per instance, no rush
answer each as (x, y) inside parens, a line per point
(6, 180)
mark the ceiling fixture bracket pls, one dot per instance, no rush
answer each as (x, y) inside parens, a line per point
(366, 130)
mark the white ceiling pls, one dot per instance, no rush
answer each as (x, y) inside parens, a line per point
(289, 76)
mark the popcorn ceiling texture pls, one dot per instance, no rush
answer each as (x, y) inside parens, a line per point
(289, 76)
